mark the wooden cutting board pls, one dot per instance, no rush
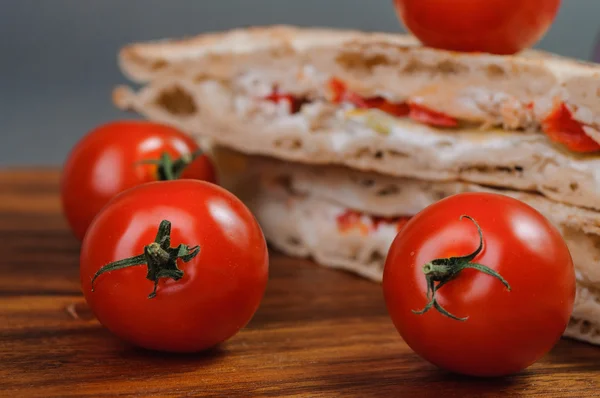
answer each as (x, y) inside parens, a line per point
(318, 332)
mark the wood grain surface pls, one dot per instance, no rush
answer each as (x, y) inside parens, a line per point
(318, 332)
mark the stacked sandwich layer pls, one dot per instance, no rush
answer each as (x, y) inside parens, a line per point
(389, 127)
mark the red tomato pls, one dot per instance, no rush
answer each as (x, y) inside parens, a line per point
(110, 159)
(202, 298)
(493, 26)
(501, 330)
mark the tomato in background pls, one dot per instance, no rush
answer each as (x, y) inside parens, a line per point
(198, 265)
(117, 156)
(498, 312)
(492, 26)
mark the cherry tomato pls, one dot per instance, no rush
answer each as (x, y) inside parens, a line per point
(493, 26)
(484, 311)
(115, 156)
(202, 265)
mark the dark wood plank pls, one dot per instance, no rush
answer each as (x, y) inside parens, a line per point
(318, 332)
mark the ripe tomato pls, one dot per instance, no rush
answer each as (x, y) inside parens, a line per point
(188, 298)
(114, 157)
(513, 308)
(493, 26)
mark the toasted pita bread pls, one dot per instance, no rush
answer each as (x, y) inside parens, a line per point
(371, 140)
(214, 85)
(299, 207)
(375, 64)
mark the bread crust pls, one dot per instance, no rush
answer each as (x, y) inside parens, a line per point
(373, 63)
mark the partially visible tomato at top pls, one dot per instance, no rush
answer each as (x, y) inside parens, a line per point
(120, 155)
(492, 26)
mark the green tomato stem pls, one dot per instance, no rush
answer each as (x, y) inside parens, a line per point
(444, 270)
(171, 169)
(159, 256)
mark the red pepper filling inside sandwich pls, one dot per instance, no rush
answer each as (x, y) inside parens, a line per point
(352, 219)
(559, 126)
(416, 112)
(294, 103)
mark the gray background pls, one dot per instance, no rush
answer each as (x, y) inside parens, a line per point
(58, 64)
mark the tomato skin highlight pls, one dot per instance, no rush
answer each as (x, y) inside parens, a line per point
(492, 26)
(506, 331)
(106, 162)
(221, 288)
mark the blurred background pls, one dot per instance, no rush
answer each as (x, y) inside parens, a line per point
(58, 57)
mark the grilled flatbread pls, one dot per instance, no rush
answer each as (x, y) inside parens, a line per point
(380, 102)
(348, 219)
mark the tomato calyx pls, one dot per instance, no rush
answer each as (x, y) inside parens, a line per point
(159, 256)
(169, 168)
(444, 270)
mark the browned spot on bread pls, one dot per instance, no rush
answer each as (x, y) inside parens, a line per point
(549, 188)
(482, 168)
(285, 182)
(376, 258)
(361, 46)
(574, 186)
(448, 67)
(293, 241)
(495, 71)
(216, 58)
(585, 327)
(362, 152)
(288, 143)
(396, 154)
(360, 61)
(391, 189)
(445, 67)
(159, 64)
(594, 238)
(283, 51)
(176, 101)
(413, 66)
(200, 77)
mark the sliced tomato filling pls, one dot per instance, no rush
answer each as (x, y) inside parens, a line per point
(352, 219)
(560, 127)
(340, 93)
(294, 103)
(418, 113)
(424, 115)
